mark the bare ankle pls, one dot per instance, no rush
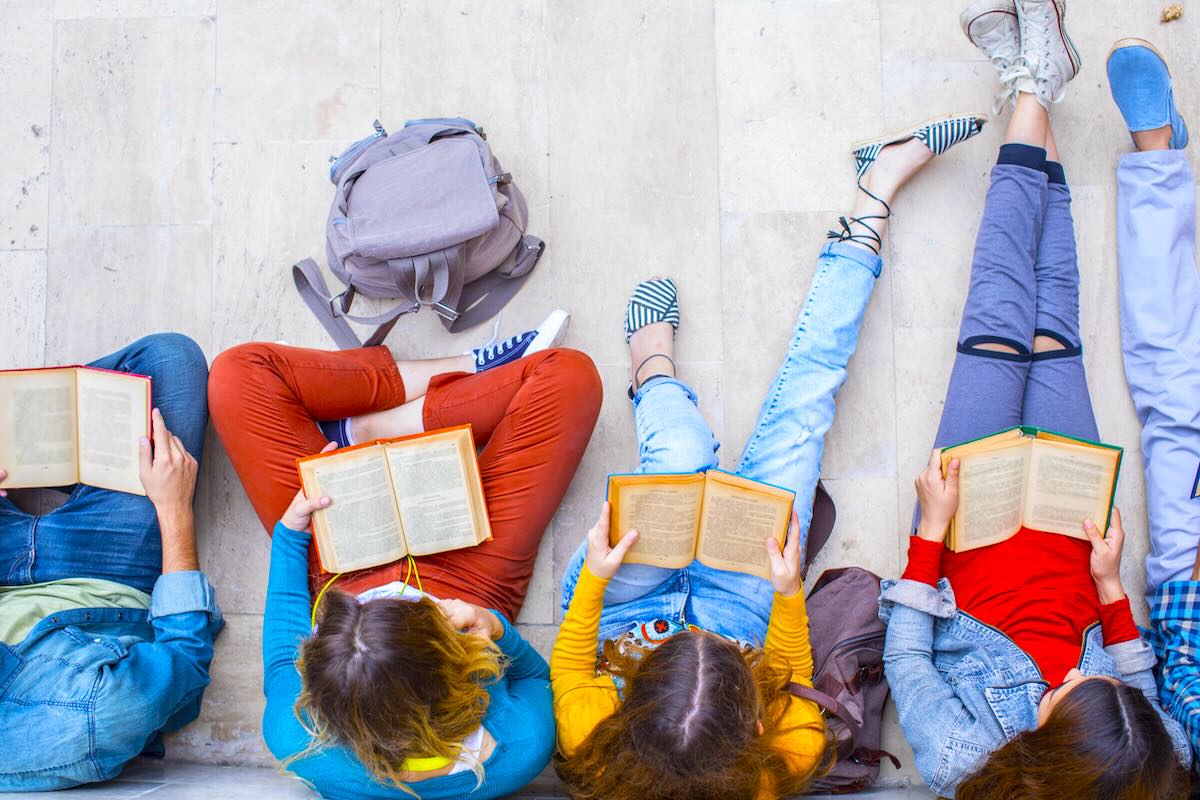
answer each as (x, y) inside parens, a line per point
(652, 366)
(1157, 139)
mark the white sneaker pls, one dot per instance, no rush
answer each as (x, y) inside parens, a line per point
(1046, 49)
(993, 27)
(551, 332)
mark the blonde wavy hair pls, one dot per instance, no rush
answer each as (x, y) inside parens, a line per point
(391, 680)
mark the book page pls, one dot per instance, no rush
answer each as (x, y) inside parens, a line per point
(361, 528)
(37, 428)
(735, 522)
(991, 494)
(432, 494)
(664, 510)
(114, 413)
(1068, 483)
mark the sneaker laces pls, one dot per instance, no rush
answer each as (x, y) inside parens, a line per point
(1017, 70)
(1036, 50)
(489, 346)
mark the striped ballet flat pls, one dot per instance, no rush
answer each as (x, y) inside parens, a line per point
(654, 300)
(939, 135)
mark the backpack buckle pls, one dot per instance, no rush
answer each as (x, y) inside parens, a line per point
(445, 312)
(343, 302)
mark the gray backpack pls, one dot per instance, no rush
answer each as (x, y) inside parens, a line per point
(426, 215)
(848, 681)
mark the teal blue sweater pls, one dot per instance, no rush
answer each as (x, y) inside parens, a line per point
(520, 715)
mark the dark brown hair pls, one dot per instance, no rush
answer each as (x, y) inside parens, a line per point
(390, 679)
(688, 727)
(1102, 741)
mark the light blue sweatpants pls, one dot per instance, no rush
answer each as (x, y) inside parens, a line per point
(1160, 332)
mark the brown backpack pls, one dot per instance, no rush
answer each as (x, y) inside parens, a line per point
(848, 681)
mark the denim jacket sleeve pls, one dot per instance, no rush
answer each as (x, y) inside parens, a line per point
(924, 701)
(159, 684)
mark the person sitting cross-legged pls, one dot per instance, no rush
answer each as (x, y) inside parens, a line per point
(385, 686)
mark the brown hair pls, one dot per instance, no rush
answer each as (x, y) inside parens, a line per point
(688, 727)
(390, 679)
(1103, 741)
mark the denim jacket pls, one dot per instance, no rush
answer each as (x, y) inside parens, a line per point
(90, 689)
(963, 689)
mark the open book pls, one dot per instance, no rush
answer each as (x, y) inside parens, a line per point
(65, 425)
(395, 497)
(1028, 477)
(715, 517)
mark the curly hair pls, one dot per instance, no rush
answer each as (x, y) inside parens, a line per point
(390, 680)
(1103, 741)
(689, 727)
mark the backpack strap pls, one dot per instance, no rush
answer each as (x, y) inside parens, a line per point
(331, 311)
(830, 706)
(442, 269)
(483, 298)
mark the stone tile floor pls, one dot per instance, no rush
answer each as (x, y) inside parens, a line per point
(165, 161)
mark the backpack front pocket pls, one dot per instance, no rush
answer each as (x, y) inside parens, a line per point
(421, 201)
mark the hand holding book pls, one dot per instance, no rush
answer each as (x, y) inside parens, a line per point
(1106, 557)
(298, 516)
(603, 558)
(787, 561)
(937, 496)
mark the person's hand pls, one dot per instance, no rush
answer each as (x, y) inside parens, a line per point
(603, 560)
(787, 562)
(1106, 558)
(299, 514)
(938, 497)
(471, 619)
(3, 475)
(168, 473)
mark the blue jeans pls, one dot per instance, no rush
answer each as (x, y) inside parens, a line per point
(785, 449)
(98, 533)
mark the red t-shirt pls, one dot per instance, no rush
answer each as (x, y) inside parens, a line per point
(1035, 587)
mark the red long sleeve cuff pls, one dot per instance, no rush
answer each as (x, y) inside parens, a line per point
(925, 562)
(1116, 620)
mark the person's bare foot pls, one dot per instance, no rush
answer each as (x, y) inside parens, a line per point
(894, 167)
(1156, 139)
(651, 349)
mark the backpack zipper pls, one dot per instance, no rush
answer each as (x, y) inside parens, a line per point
(447, 121)
(356, 148)
(845, 643)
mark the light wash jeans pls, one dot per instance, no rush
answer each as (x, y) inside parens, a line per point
(785, 449)
(1160, 333)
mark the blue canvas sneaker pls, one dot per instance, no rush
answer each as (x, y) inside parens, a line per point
(1141, 88)
(548, 334)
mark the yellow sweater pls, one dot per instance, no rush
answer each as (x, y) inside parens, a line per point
(583, 699)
